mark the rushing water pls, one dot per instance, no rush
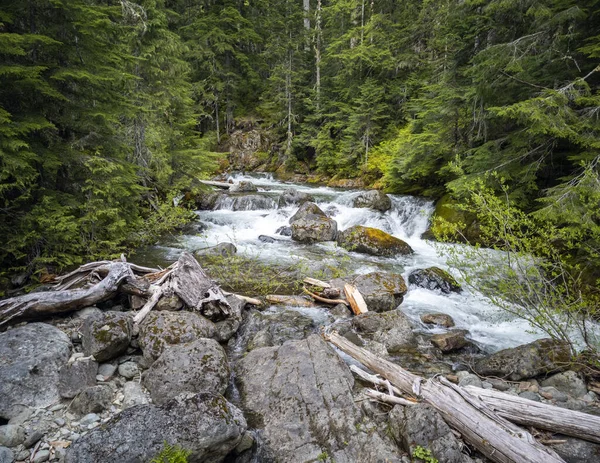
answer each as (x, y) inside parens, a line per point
(489, 327)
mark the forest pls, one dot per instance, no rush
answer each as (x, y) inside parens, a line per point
(110, 109)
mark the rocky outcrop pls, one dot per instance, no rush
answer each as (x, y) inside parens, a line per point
(198, 366)
(392, 329)
(539, 357)
(292, 196)
(305, 209)
(160, 330)
(205, 424)
(381, 291)
(300, 396)
(106, 336)
(434, 278)
(30, 359)
(372, 241)
(314, 228)
(373, 199)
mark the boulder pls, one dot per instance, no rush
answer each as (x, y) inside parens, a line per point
(422, 426)
(440, 319)
(208, 201)
(266, 239)
(30, 359)
(305, 209)
(381, 291)
(373, 199)
(284, 231)
(133, 394)
(392, 329)
(299, 395)
(198, 366)
(11, 435)
(160, 330)
(450, 341)
(434, 278)
(106, 336)
(245, 202)
(568, 382)
(75, 377)
(539, 357)
(243, 187)
(6, 455)
(221, 249)
(291, 196)
(576, 450)
(314, 228)
(372, 241)
(93, 400)
(169, 303)
(205, 424)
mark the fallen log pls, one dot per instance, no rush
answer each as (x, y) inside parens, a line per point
(248, 300)
(315, 282)
(291, 301)
(357, 303)
(540, 415)
(223, 185)
(316, 297)
(494, 436)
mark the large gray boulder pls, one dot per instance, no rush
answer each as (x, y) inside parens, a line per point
(372, 241)
(93, 400)
(106, 336)
(305, 209)
(206, 424)
(243, 187)
(198, 366)
(576, 450)
(392, 329)
(160, 330)
(434, 278)
(30, 359)
(539, 357)
(76, 376)
(374, 199)
(313, 228)
(292, 196)
(300, 396)
(381, 291)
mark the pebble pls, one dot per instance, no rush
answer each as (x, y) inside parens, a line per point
(486, 385)
(88, 419)
(41, 456)
(60, 421)
(32, 439)
(106, 371)
(74, 436)
(56, 407)
(128, 370)
(499, 384)
(530, 395)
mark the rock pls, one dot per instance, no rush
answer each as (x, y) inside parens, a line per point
(392, 329)
(225, 329)
(340, 311)
(93, 400)
(551, 393)
(372, 241)
(577, 450)
(160, 330)
(171, 303)
(107, 370)
(198, 366)
(106, 336)
(88, 312)
(374, 199)
(266, 239)
(305, 209)
(314, 228)
(6, 455)
(245, 202)
(245, 444)
(11, 435)
(440, 319)
(32, 439)
(292, 196)
(89, 419)
(75, 377)
(568, 382)
(221, 249)
(422, 426)
(41, 456)
(434, 278)
(300, 396)
(30, 359)
(205, 423)
(284, 231)
(527, 361)
(381, 291)
(468, 379)
(450, 341)
(133, 394)
(129, 370)
(499, 384)
(243, 187)
(530, 396)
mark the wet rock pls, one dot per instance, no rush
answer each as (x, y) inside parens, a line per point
(284, 231)
(374, 199)
(133, 394)
(106, 336)
(129, 370)
(300, 396)
(266, 239)
(372, 241)
(421, 425)
(434, 278)
(6, 455)
(198, 366)
(205, 423)
(208, 201)
(392, 329)
(170, 303)
(292, 196)
(11, 435)
(243, 187)
(160, 330)
(75, 377)
(440, 319)
(305, 209)
(577, 450)
(381, 291)
(225, 329)
(93, 400)
(340, 311)
(527, 361)
(30, 359)
(246, 202)
(568, 382)
(221, 249)
(314, 228)
(450, 341)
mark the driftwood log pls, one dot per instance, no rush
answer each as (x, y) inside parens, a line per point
(357, 302)
(224, 185)
(494, 436)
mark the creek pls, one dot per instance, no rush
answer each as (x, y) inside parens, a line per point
(490, 328)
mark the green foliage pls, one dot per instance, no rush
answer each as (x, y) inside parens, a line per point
(172, 454)
(424, 454)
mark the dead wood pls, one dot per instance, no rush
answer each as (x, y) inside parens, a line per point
(316, 297)
(315, 282)
(291, 301)
(357, 303)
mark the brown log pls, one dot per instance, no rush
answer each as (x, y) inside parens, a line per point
(495, 437)
(297, 301)
(315, 282)
(540, 415)
(357, 303)
(316, 297)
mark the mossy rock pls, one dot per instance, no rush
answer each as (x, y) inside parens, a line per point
(107, 335)
(372, 241)
(447, 210)
(314, 228)
(434, 278)
(307, 208)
